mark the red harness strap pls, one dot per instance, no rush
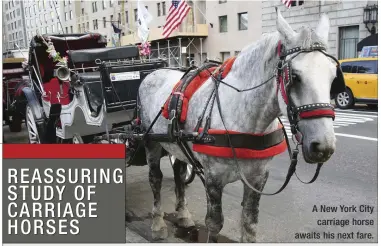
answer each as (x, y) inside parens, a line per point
(317, 113)
(193, 86)
(265, 147)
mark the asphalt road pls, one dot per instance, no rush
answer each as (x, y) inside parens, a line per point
(349, 178)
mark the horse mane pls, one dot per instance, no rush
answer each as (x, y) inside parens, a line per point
(264, 51)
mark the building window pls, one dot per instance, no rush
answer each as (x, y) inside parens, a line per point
(18, 12)
(95, 24)
(83, 27)
(127, 17)
(87, 26)
(111, 18)
(66, 16)
(222, 1)
(64, 2)
(348, 39)
(242, 21)
(47, 29)
(53, 31)
(95, 9)
(136, 14)
(236, 53)
(296, 3)
(111, 3)
(225, 55)
(223, 20)
(79, 27)
(71, 28)
(158, 9)
(83, 11)
(104, 22)
(103, 4)
(71, 14)
(67, 30)
(119, 18)
(164, 8)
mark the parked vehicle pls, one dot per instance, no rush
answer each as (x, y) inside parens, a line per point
(82, 90)
(361, 79)
(15, 78)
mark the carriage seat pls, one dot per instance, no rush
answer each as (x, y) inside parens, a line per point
(93, 90)
(113, 53)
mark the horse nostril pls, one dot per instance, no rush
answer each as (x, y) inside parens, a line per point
(315, 147)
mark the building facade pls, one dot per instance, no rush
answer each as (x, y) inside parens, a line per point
(215, 29)
(346, 19)
(14, 25)
(41, 17)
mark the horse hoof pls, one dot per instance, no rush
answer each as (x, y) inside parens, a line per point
(185, 223)
(160, 234)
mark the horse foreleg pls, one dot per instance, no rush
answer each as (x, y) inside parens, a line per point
(153, 152)
(183, 215)
(250, 210)
(214, 219)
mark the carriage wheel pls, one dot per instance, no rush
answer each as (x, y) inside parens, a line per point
(31, 125)
(190, 173)
(77, 139)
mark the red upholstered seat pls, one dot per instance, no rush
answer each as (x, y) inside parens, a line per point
(52, 88)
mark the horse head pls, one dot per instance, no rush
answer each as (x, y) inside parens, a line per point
(306, 73)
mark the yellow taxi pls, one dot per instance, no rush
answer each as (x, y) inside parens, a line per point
(361, 79)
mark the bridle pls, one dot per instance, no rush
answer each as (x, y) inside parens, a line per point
(285, 81)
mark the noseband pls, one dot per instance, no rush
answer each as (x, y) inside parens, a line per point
(284, 77)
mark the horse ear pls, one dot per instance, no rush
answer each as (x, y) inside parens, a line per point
(322, 29)
(283, 27)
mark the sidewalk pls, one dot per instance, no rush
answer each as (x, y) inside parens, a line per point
(132, 237)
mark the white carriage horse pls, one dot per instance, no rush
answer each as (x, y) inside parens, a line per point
(288, 73)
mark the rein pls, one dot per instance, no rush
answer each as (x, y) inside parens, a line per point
(294, 113)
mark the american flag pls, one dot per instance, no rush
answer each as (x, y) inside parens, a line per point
(177, 12)
(287, 3)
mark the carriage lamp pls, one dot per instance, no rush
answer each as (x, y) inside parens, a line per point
(370, 17)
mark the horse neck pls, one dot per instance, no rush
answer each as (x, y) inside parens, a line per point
(253, 111)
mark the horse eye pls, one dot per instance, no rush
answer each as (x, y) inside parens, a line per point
(295, 78)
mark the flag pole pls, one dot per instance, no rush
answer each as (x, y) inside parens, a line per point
(210, 23)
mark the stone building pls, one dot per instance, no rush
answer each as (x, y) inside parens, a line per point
(346, 18)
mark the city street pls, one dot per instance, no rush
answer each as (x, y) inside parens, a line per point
(349, 178)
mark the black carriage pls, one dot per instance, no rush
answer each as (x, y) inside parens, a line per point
(82, 89)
